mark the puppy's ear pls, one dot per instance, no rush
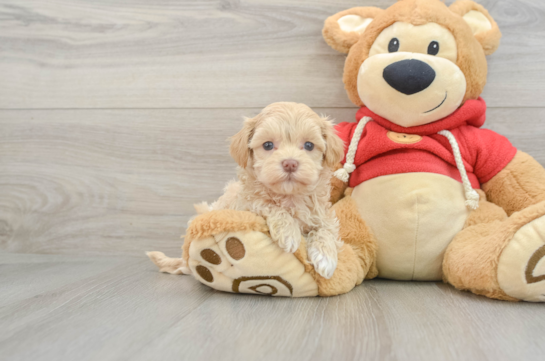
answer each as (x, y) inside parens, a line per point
(483, 26)
(344, 29)
(334, 151)
(240, 148)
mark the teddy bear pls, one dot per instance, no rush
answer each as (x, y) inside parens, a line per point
(423, 192)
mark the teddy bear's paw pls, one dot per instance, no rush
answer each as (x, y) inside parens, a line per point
(249, 262)
(521, 267)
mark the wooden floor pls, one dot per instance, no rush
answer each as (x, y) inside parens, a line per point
(113, 120)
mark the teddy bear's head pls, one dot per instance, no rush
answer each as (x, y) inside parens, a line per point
(417, 61)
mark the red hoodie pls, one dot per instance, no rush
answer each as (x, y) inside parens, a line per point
(386, 148)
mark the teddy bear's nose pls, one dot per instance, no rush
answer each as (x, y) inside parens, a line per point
(409, 76)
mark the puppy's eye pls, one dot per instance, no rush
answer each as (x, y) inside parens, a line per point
(268, 145)
(433, 48)
(309, 146)
(393, 46)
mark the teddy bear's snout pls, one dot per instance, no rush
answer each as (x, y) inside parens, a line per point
(409, 76)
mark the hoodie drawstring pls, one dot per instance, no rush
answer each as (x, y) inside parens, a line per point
(344, 172)
(472, 197)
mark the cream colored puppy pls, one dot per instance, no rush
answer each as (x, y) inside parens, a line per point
(286, 155)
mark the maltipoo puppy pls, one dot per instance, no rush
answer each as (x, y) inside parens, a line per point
(286, 156)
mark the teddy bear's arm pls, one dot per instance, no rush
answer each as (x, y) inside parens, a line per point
(519, 185)
(337, 187)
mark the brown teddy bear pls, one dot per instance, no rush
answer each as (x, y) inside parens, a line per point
(423, 192)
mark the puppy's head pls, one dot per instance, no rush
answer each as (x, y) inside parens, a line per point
(287, 147)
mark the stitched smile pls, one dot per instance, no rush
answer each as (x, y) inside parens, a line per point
(446, 95)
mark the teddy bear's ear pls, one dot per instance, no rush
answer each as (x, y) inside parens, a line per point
(344, 29)
(240, 142)
(481, 23)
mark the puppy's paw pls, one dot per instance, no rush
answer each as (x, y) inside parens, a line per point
(289, 240)
(285, 232)
(323, 256)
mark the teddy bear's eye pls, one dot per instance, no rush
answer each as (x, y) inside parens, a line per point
(433, 48)
(309, 146)
(393, 46)
(268, 145)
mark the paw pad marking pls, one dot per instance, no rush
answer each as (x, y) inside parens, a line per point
(243, 284)
(235, 248)
(521, 266)
(264, 289)
(249, 262)
(532, 264)
(205, 273)
(210, 256)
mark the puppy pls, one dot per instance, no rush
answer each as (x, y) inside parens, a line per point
(286, 156)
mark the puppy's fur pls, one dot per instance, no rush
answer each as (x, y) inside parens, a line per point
(293, 203)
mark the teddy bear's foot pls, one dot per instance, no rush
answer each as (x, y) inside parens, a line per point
(232, 251)
(521, 267)
(249, 262)
(498, 256)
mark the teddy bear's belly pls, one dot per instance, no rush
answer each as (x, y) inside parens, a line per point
(414, 216)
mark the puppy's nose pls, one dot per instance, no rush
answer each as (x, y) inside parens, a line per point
(409, 76)
(290, 165)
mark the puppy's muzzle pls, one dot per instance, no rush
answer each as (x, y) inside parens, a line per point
(290, 165)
